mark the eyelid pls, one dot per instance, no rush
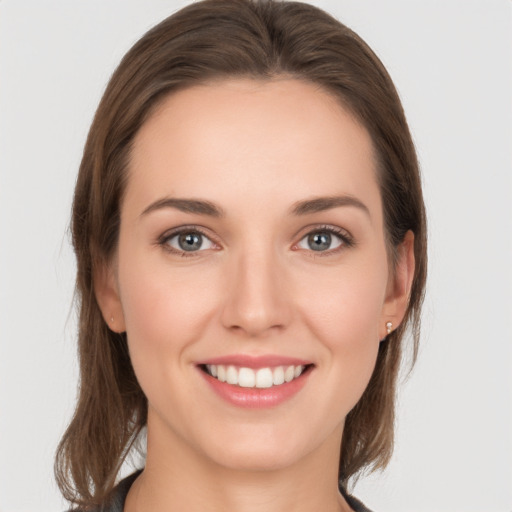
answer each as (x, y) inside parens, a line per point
(345, 236)
(164, 238)
(347, 240)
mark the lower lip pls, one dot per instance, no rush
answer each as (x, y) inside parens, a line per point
(256, 398)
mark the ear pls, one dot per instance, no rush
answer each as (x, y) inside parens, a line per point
(399, 286)
(106, 290)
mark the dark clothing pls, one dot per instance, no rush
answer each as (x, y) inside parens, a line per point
(118, 497)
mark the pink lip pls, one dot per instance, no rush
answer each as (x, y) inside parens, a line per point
(255, 362)
(256, 398)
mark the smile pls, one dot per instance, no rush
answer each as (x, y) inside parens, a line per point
(254, 378)
(256, 382)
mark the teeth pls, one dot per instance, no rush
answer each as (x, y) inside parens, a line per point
(278, 376)
(246, 378)
(263, 378)
(249, 378)
(221, 373)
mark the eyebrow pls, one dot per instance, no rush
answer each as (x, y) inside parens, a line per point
(306, 207)
(198, 206)
(321, 204)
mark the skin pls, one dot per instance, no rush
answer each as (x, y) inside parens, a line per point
(254, 150)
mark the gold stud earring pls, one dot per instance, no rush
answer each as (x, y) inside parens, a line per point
(389, 327)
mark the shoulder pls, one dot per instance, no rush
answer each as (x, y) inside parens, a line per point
(116, 499)
(354, 503)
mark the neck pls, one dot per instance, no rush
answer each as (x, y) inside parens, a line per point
(177, 477)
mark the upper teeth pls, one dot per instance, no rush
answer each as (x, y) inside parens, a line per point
(249, 378)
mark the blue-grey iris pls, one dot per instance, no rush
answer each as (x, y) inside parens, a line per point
(190, 241)
(319, 241)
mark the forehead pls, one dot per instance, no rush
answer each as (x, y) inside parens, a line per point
(250, 137)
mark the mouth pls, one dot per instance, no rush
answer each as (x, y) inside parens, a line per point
(256, 382)
(259, 378)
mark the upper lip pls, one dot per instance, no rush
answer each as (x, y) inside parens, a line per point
(254, 362)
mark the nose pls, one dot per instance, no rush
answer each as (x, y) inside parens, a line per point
(257, 300)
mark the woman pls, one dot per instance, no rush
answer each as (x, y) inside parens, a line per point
(250, 234)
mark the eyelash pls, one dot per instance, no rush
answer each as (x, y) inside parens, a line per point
(346, 239)
(163, 240)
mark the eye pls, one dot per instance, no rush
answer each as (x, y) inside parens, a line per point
(188, 241)
(323, 240)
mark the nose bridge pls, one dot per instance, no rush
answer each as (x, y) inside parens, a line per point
(257, 299)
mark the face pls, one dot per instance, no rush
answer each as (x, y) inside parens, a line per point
(251, 251)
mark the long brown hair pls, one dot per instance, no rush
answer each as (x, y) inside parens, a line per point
(205, 41)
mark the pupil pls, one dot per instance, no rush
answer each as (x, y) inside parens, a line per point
(190, 241)
(319, 241)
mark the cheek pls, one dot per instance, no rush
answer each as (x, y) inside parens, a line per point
(166, 310)
(345, 314)
(346, 305)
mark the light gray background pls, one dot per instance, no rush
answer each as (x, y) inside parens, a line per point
(452, 63)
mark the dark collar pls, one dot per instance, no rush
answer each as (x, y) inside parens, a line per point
(117, 498)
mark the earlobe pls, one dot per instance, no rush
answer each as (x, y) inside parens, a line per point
(106, 291)
(399, 287)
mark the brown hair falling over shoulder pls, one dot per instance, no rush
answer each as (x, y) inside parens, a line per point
(206, 41)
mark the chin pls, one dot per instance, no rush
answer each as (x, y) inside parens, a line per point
(262, 449)
(256, 458)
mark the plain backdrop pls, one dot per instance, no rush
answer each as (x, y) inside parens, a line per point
(452, 63)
